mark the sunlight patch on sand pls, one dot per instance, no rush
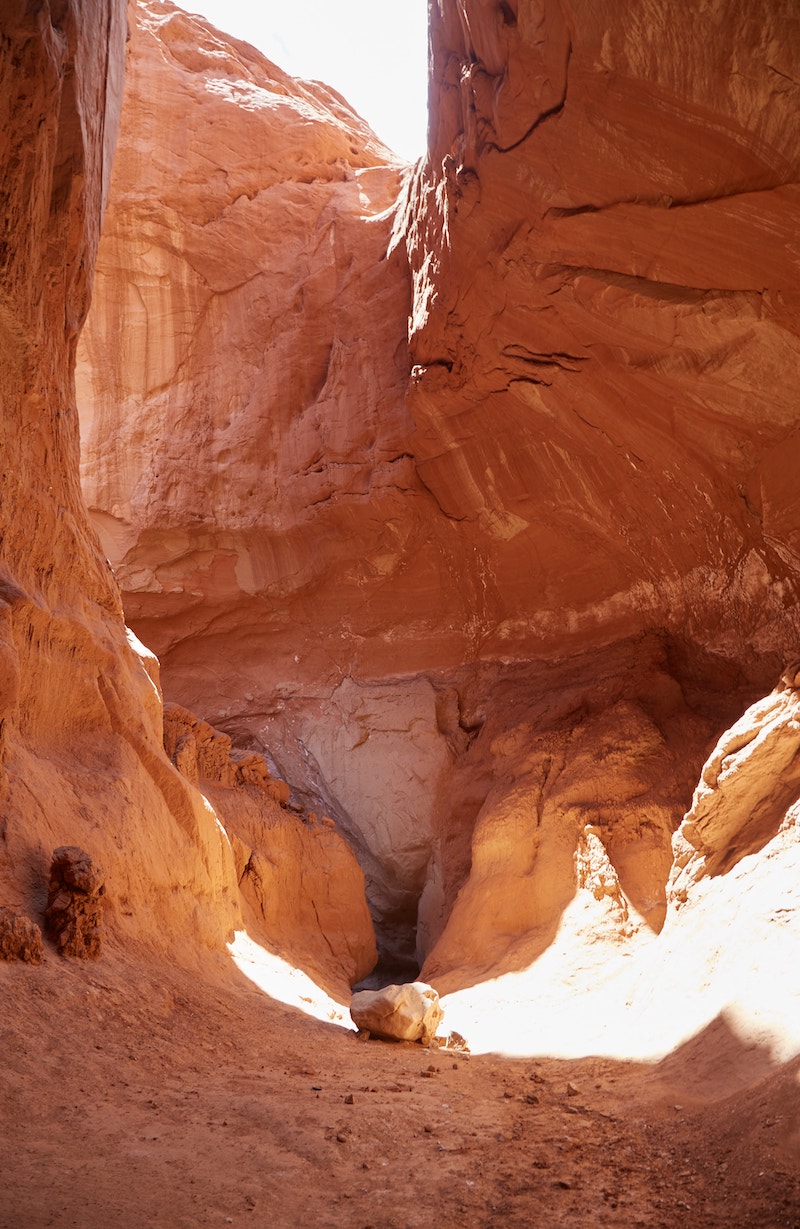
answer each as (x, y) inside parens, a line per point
(731, 954)
(284, 983)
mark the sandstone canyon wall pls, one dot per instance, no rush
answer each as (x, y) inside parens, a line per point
(605, 320)
(81, 757)
(81, 741)
(464, 492)
(243, 403)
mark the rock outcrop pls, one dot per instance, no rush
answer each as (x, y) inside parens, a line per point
(513, 451)
(723, 962)
(20, 938)
(302, 890)
(748, 796)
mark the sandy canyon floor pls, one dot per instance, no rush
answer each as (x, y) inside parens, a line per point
(142, 1094)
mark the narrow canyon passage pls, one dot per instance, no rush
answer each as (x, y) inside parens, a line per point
(455, 505)
(485, 538)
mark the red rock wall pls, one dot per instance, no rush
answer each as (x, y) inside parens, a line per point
(243, 374)
(82, 761)
(242, 384)
(423, 525)
(605, 349)
(605, 338)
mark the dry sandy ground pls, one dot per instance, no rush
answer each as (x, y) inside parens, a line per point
(138, 1095)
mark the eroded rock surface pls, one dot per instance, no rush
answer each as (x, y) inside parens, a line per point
(605, 327)
(201, 753)
(80, 716)
(749, 790)
(301, 887)
(82, 762)
(262, 376)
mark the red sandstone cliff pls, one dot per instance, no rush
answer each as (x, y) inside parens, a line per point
(507, 571)
(81, 755)
(606, 317)
(242, 389)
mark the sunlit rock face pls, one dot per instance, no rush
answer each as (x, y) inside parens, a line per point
(242, 386)
(301, 888)
(142, 857)
(242, 378)
(472, 506)
(748, 792)
(605, 350)
(81, 762)
(724, 960)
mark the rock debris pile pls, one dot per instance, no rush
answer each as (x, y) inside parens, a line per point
(74, 913)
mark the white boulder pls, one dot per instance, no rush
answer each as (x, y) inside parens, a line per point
(410, 1012)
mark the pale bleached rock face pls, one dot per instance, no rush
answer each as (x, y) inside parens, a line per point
(374, 552)
(410, 1012)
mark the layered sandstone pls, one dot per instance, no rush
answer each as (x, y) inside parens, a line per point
(471, 509)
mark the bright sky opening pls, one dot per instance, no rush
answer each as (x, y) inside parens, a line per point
(374, 52)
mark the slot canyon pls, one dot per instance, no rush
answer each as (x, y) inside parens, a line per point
(400, 582)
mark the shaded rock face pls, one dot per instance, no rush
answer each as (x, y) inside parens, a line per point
(201, 753)
(605, 318)
(470, 508)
